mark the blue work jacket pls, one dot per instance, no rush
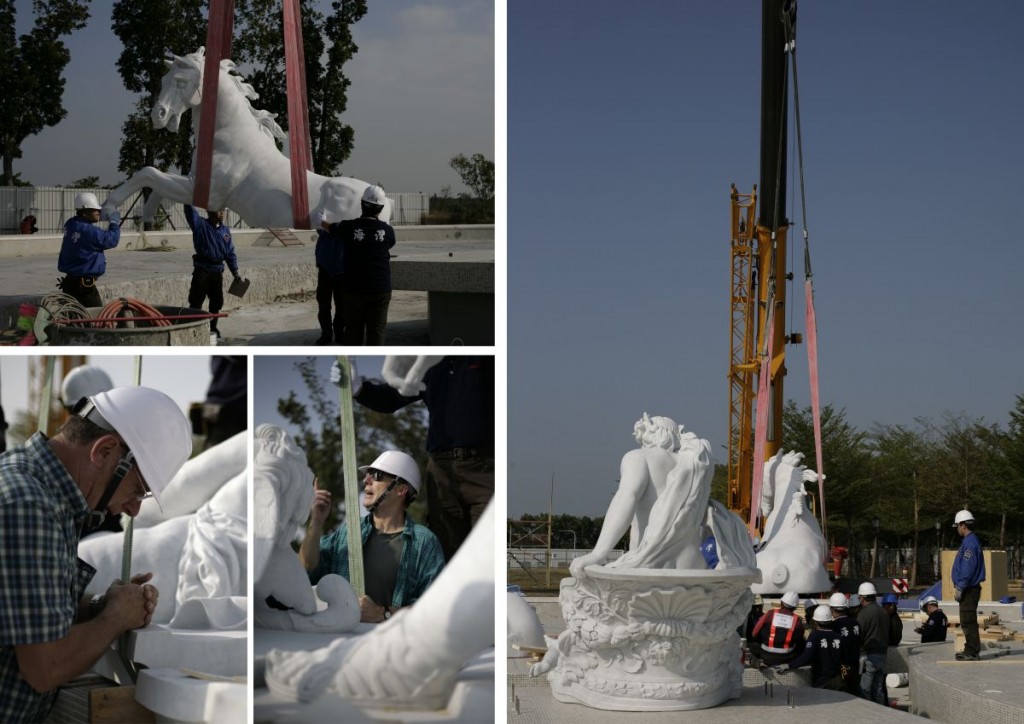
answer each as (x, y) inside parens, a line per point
(81, 251)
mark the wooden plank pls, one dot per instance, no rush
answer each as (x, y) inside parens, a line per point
(117, 704)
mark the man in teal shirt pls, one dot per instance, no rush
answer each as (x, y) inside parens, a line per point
(400, 557)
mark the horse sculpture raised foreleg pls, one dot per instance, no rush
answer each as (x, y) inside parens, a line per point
(163, 185)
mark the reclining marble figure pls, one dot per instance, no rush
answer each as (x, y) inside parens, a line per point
(282, 495)
(411, 661)
(656, 629)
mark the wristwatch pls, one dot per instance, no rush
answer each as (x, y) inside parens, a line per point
(95, 605)
(387, 612)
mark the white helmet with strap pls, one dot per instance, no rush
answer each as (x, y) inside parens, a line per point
(87, 200)
(84, 381)
(153, 427)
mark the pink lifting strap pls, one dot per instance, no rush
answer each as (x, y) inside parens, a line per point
(219, 30)
(761, 419)
(812, 365)
(298, 119)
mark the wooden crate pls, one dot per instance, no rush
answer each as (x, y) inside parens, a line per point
(993, 587)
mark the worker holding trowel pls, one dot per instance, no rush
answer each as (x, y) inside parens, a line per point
(117, 448)
(211, 239)
(400, 557)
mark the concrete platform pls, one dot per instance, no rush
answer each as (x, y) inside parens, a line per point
(447, 272)
(941, 688)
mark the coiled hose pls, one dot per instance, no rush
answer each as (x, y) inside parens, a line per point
(126, 307)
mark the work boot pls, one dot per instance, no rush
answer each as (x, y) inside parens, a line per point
(325, 340)
(961, 656)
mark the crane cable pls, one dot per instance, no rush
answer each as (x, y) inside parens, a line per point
(810, 319)
(764, 375)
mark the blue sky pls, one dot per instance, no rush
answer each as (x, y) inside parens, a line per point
(626, 128)
(422, 91)
(275, 376)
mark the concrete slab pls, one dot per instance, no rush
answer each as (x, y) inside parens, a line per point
(157, 269)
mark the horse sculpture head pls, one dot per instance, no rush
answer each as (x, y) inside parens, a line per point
(182, 88)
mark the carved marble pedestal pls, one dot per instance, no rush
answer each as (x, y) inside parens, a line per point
(651, 639)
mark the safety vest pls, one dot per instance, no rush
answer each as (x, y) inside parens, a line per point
(780, 635)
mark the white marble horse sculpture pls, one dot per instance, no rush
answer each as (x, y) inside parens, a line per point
(282, 495)
(249, 174)
(792, 551)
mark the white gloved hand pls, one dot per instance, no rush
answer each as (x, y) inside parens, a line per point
(957, 594)
(357, 379)
(321, 218)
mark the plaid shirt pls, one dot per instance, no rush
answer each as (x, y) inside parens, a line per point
(41, 577)
(422, 559)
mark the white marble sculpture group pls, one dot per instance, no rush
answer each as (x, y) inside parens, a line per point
(656, 629)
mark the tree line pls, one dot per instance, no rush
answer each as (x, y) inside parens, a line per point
(32, 68)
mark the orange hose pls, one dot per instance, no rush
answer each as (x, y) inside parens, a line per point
(117, 308)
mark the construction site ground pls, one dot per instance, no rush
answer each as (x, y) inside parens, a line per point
(278, 310)
(940, 688)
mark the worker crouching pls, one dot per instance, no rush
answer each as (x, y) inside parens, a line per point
(823, 652)
(779, 636)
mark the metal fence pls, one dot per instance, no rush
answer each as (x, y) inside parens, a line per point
(53, 205)
(890, 564)
(537, 557)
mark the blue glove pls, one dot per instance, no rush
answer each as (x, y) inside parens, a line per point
(115, 218)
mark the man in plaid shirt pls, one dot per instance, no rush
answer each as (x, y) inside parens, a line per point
(49, 632)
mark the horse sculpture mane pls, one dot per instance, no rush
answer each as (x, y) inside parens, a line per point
(196, 62)
(250, 173)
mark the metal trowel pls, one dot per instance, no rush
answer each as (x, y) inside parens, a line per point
(239, 287)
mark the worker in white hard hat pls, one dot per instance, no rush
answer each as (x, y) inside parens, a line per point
(401, 558)
(967, 575)
(117, 449)
(81, 257)
(874, 644)
(211, 240)
(84, 381)
(934, 629)
(366, 295)
(779, 636)
(823, 652)
(849, 635)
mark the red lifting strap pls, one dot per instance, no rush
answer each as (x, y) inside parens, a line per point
(218, 47)
(761, 419)
(812, 365)
(298, 120)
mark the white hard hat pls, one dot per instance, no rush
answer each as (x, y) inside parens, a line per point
(374, 195)
(822, 614)
(84, 381)
(398, 464)
(838, 600)
(867, 589)
(928, 599)
(87, 200)
(809, 602)
(964, 516)
(854, 600)
(154, 428)
(791, 599)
